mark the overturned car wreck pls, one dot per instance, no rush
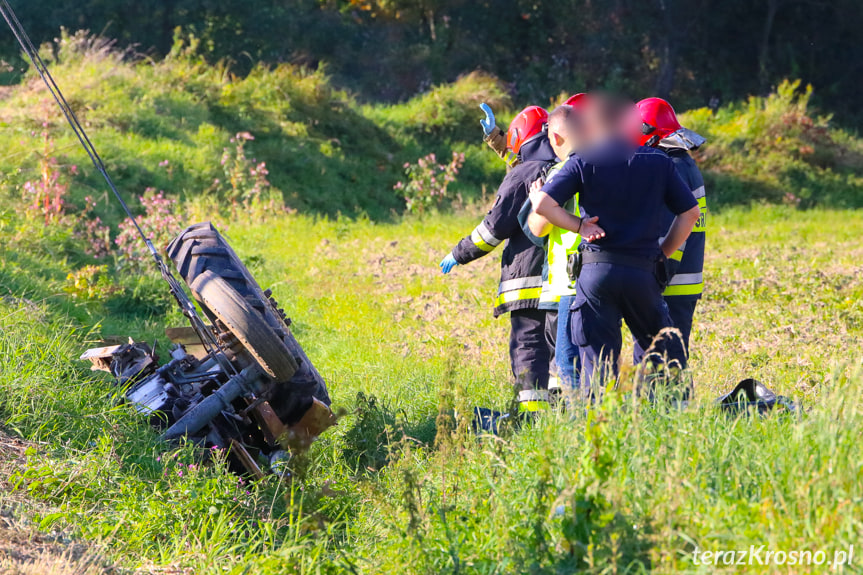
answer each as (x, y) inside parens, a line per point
(239, 381)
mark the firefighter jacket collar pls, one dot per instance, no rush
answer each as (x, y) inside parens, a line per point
(538, 150)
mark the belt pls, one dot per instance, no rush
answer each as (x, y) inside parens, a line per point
(642, 263)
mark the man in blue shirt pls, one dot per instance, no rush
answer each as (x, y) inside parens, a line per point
(623, 193)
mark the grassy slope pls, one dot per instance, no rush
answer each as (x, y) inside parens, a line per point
(388, 491)
(165, 125)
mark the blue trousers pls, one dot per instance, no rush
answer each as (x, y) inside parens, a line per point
(566, 352)
(607, 294)
(682, 310)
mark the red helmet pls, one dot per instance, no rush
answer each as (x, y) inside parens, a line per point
(529, 124)
(658, 120)
(576, 100)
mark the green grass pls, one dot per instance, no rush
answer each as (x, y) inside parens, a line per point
(165, 125)
(401, 487)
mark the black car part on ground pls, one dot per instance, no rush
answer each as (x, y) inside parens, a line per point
(200, 249)
(751, 394)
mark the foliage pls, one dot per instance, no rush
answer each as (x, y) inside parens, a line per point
(46, 196)
(245, 184)
(166, 124)
(428, 181)
(775, 148)
(402, 485)
(93, 235)
(160, 222)
(247, 178)
(451, 110)
(90, 283)
(395, 49)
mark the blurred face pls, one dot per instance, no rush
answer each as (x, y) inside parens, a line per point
(607, 116)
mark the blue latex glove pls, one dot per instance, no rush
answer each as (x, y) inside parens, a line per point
(447, 264)
(488, 122)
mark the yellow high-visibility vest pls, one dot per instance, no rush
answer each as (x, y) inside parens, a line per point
(561, 244)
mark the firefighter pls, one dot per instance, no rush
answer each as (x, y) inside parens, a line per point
(661, 129)
(623, 192)
(557, 294)
(521, 264)
(548, 302)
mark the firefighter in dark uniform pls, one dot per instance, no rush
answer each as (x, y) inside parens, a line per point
(556, 293)
(521, 265)
(662, 130)
(623, 193)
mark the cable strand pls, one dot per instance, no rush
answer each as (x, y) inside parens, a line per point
(208, 339)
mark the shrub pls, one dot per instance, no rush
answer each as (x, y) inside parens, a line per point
(91, 232)
(775, 148)
(90, 283)
(46, 196)
(160, 222)
(428, 182)
(245, 183)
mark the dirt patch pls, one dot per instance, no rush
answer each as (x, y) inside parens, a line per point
(23, 549)
(457, 309)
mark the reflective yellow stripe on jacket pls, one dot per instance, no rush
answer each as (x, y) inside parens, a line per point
(685, 284)
(518, 289)
(482, 238)
(700, 196)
